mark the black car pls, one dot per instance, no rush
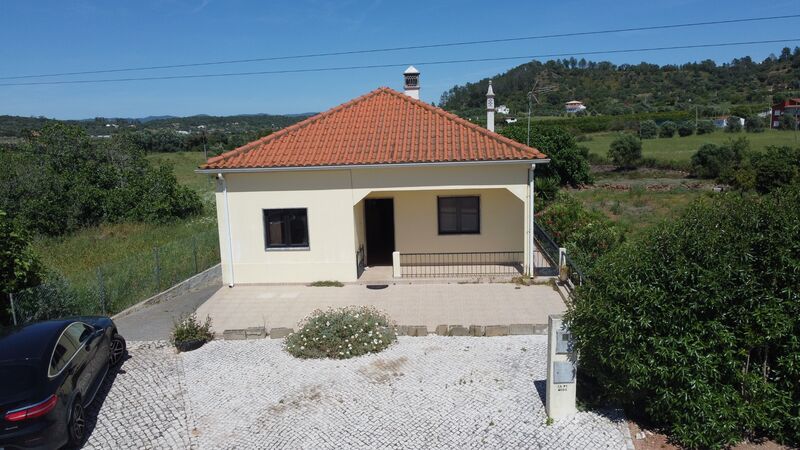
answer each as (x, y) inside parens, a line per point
(49, 372)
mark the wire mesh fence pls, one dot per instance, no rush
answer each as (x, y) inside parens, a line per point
(113, 287)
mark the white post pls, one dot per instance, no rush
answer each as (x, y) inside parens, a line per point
(396, 273)
(531, 223)
(561, 368)
(563, 274)
(228, 225)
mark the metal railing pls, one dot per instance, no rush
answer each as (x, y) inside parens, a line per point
(546, 254)
(445, 265)
(360, 260)
(574, 274)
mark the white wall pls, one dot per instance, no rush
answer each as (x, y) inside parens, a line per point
(334, 199)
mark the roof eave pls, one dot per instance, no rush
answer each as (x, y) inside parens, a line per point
(369, 166)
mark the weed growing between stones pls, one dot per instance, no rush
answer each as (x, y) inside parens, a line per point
(341, 333)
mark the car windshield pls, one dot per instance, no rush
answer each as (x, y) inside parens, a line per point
(15, 378)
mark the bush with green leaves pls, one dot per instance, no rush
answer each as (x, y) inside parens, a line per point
(341, 333)
(626, 151)
(685, 128)
(696, 324)
(20, 268)
(705, 127)
(733, 124)
(63, 179)
(648, 129)
(754, 124)
(189, 329)
(568, 161)
(587, 235)
(775, 167)
(715, 161)
(667, 129)
(52, 299)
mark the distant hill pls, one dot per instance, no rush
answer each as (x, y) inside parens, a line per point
(18, 126)
(606, 88)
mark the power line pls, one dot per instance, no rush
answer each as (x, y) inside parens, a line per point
(380, 66)
(412, 47)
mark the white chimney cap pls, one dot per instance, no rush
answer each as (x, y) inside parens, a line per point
(411, 70)
(490, 92)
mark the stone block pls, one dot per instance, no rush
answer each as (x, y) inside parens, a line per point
(458, 330)
(256, 333)
(520, 328)
(496, 330)
(441, 330)
(401, 330)
(540, 328)
(280, 332)
(418, 330)
(476, 330)
(234, 335)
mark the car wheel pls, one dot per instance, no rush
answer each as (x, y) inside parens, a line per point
(77, 424)
(117, 351)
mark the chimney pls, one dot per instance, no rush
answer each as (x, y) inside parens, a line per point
(490, 108)
(411, 85)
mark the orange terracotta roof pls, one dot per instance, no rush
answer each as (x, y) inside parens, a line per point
(381, 127)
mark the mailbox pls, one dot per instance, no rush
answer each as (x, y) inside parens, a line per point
(563, 372)
(563, 342)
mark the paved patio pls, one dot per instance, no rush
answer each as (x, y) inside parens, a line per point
(428, 304)
(427, 392)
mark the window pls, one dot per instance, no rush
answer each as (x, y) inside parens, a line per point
(79, 332)
(63, 352)
(286, 228)
(459, 215)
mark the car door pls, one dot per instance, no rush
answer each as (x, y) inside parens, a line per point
(82, 366)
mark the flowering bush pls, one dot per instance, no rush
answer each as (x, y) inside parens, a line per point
(341, 333)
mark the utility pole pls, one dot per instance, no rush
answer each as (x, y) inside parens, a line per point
(205, 141)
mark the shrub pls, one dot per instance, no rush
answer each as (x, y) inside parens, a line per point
(52, 299)
(685, 128)
(667, 129)
(327, 283)
(705, 127)
(341, 333)
(776, 167)
(754, 124)
(733, 124)
(648, 129)
(568, 162)
(788, 122)
(189, 330)
(715, 161)
(626, 151)
(587, 235)
(695, 324)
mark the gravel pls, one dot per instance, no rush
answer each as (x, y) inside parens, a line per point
(431, 392)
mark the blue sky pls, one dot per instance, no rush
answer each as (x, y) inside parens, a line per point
(65, 35)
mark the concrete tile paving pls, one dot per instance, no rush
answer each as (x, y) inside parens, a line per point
(429, 392)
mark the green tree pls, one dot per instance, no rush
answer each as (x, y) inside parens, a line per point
(667, 129)
(754, 124)
(19, 266)
(695, 324)
(626, 151)
(685, 128)
(568, 162)
(648, 129)
(733, 124)
(715, 161)
(705, 127)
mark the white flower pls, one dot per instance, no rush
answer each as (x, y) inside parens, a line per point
(302, 347)
(327, 323)
(374, 341)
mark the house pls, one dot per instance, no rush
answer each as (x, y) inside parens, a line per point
(503, 109)
(574, 106)
(786, 107)
(382, 180)
(722, 121)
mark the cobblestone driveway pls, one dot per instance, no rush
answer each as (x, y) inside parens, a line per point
(433, 392)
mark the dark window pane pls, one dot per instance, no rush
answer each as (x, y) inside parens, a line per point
(286, 228)
(65, 348)
(459, 215)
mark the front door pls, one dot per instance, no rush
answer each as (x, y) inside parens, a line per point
(379, 218)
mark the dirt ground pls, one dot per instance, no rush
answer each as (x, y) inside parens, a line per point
(657, 441)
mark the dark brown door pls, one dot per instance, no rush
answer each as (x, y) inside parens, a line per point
(379, 218)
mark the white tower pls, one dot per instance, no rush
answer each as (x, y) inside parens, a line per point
(411, 85)
(490, 108)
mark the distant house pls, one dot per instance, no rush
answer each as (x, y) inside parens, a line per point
(502, 109)
(413, 187)
(511, 120)
(183, 132)
(787, 107)
(722, 121)
(574, 106)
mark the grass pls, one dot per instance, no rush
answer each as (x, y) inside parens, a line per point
(681, 149)
(113, 266)
(327, 283)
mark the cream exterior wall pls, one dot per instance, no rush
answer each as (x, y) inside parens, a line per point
(334, 200)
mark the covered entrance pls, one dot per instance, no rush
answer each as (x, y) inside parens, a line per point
(379, 225)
